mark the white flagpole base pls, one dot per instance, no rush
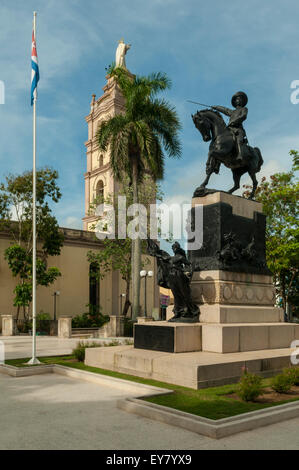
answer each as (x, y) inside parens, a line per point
(34, 361)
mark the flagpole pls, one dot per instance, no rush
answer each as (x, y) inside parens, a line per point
(34, 359)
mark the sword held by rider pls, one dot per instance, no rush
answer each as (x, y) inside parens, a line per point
(236, 118)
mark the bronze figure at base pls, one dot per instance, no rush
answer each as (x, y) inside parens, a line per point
(175, 273)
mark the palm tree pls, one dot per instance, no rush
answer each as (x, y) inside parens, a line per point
(138, 140)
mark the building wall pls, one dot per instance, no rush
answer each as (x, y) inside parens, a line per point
(73, 284)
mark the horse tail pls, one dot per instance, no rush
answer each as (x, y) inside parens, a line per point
(260, 159)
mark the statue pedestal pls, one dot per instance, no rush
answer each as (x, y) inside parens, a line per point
(144, 319)
(239, 323)
(230, 297)
(168, 337)
(197, 369)
(231, 282)
(214, 337)
(233, 235)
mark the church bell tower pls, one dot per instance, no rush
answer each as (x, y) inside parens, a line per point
(99, 179)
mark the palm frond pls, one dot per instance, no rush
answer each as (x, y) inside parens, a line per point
(109, 127)
(147, 127)
(156, 82)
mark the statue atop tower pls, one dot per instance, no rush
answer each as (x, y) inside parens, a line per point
(121, 51)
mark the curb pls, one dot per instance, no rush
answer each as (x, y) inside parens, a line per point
(25, 371)
(132, 387)
(208, 427)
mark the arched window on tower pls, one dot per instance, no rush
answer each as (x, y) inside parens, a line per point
(100, 190)
(94, 288)
(101, 160)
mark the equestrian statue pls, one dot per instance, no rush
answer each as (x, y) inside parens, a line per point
(229, 144)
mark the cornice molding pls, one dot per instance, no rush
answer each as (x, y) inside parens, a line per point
(102, 169)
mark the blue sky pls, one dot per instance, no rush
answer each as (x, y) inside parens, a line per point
(208, 49)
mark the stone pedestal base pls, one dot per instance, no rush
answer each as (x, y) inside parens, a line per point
(232, 288)
(216, 313)
(194, 369)
(231, 297)
(65, 327)
(7, 325)
(224, 338)
(168, 337)
(214, 337)
(144, 319)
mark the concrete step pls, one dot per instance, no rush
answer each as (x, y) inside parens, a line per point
(83, 336)
(193, 369)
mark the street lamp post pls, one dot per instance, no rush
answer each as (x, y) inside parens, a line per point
(56, 293)
(121, 303)
(145, 274)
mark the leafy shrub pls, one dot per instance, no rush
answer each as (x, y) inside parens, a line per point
(281, 383)
(79, 350)
(43, 316)
(128, 341)
(293, 374)
(42, 323)
(249, 386)
(90, 320)
(81, 321)
(114, 342)
(24, 326)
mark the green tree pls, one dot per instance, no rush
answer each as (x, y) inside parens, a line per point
(138, 140)
(116, 254)
(280, 196)
(16, 219)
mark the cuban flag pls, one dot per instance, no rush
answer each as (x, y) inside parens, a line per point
(34, 71)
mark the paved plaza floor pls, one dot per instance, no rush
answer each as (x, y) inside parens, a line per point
(55, 412)
(21, 346)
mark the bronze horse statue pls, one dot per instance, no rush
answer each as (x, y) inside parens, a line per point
(223, 149)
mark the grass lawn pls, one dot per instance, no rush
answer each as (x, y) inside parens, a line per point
(214, 403)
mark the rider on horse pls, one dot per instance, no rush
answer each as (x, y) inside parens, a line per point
(237, 116)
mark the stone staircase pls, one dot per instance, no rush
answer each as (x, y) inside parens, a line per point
(85, 333)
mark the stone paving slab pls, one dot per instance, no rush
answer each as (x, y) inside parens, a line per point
(52, 411)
